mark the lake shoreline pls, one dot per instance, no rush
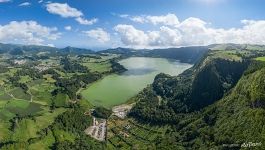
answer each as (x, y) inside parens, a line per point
(117, 89)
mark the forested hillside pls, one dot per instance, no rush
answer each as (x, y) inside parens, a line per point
(183, 54)
(217, 103)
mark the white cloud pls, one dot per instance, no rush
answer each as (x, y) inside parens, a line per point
(3, 1)
(65, 11)
(138, 19)
(27, 32)
(40, 1)
(169, 19)
(122, 15)
(68, 28)
(164, 37)
(192, 31)
(99, 34)
(85, 21)
(51, 45)
(25, 4)
(131, 36)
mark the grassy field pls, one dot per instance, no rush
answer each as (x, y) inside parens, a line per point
(49, 78)
(25, 130)
(41, 91)
(229, 55)
(61, 100)
(25, 113)
(98, 66)
(19, 93)
(260, 58)
(21, 107)
(43, 144)
(47, 117)
(5, 132)
(28, 127)
(5, 97)
(130, 134)
(25, 79)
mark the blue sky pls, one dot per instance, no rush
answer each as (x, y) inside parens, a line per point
(131, 23)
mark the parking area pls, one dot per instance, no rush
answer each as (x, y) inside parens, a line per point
(98, 129)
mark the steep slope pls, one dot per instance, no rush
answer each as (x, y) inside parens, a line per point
(217, 104)
(192, 90)
(74, 50)
(183, 54)
(234, 121)
(16, 49)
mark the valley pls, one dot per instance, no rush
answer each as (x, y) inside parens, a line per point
(132, 75)
(64, 99)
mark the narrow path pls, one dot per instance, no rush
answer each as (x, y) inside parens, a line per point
(31, 96)
(11, 95)
(159, 100)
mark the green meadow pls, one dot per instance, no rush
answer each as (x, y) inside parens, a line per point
(260, 58)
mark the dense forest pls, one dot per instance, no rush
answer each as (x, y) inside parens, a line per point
(217, 103)
(183, 54)
(194, 89)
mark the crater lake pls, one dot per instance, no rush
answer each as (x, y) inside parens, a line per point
(116, 89)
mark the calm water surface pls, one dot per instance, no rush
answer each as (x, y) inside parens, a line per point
(116, 89)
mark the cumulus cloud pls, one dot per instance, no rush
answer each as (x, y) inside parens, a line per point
(168, 19)
(191, 31)
(138, 19)
(27, 32)
(85, 21)
(25, 4)
(51, 45)
(65, 11)
(131, 36)
(98, 34)
(68, 28)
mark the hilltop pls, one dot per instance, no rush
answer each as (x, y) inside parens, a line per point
(216, 103)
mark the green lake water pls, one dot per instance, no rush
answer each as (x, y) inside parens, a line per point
(117, 89)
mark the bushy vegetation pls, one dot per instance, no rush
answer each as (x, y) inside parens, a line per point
(3, 69)
(116, 67)
(217, 104)
(72, 122)
(16, 51)
(101, 112)
(35, 94)
(72, 85)
(72, 67)
(196, 88)
(230, 115)
(151, 109)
